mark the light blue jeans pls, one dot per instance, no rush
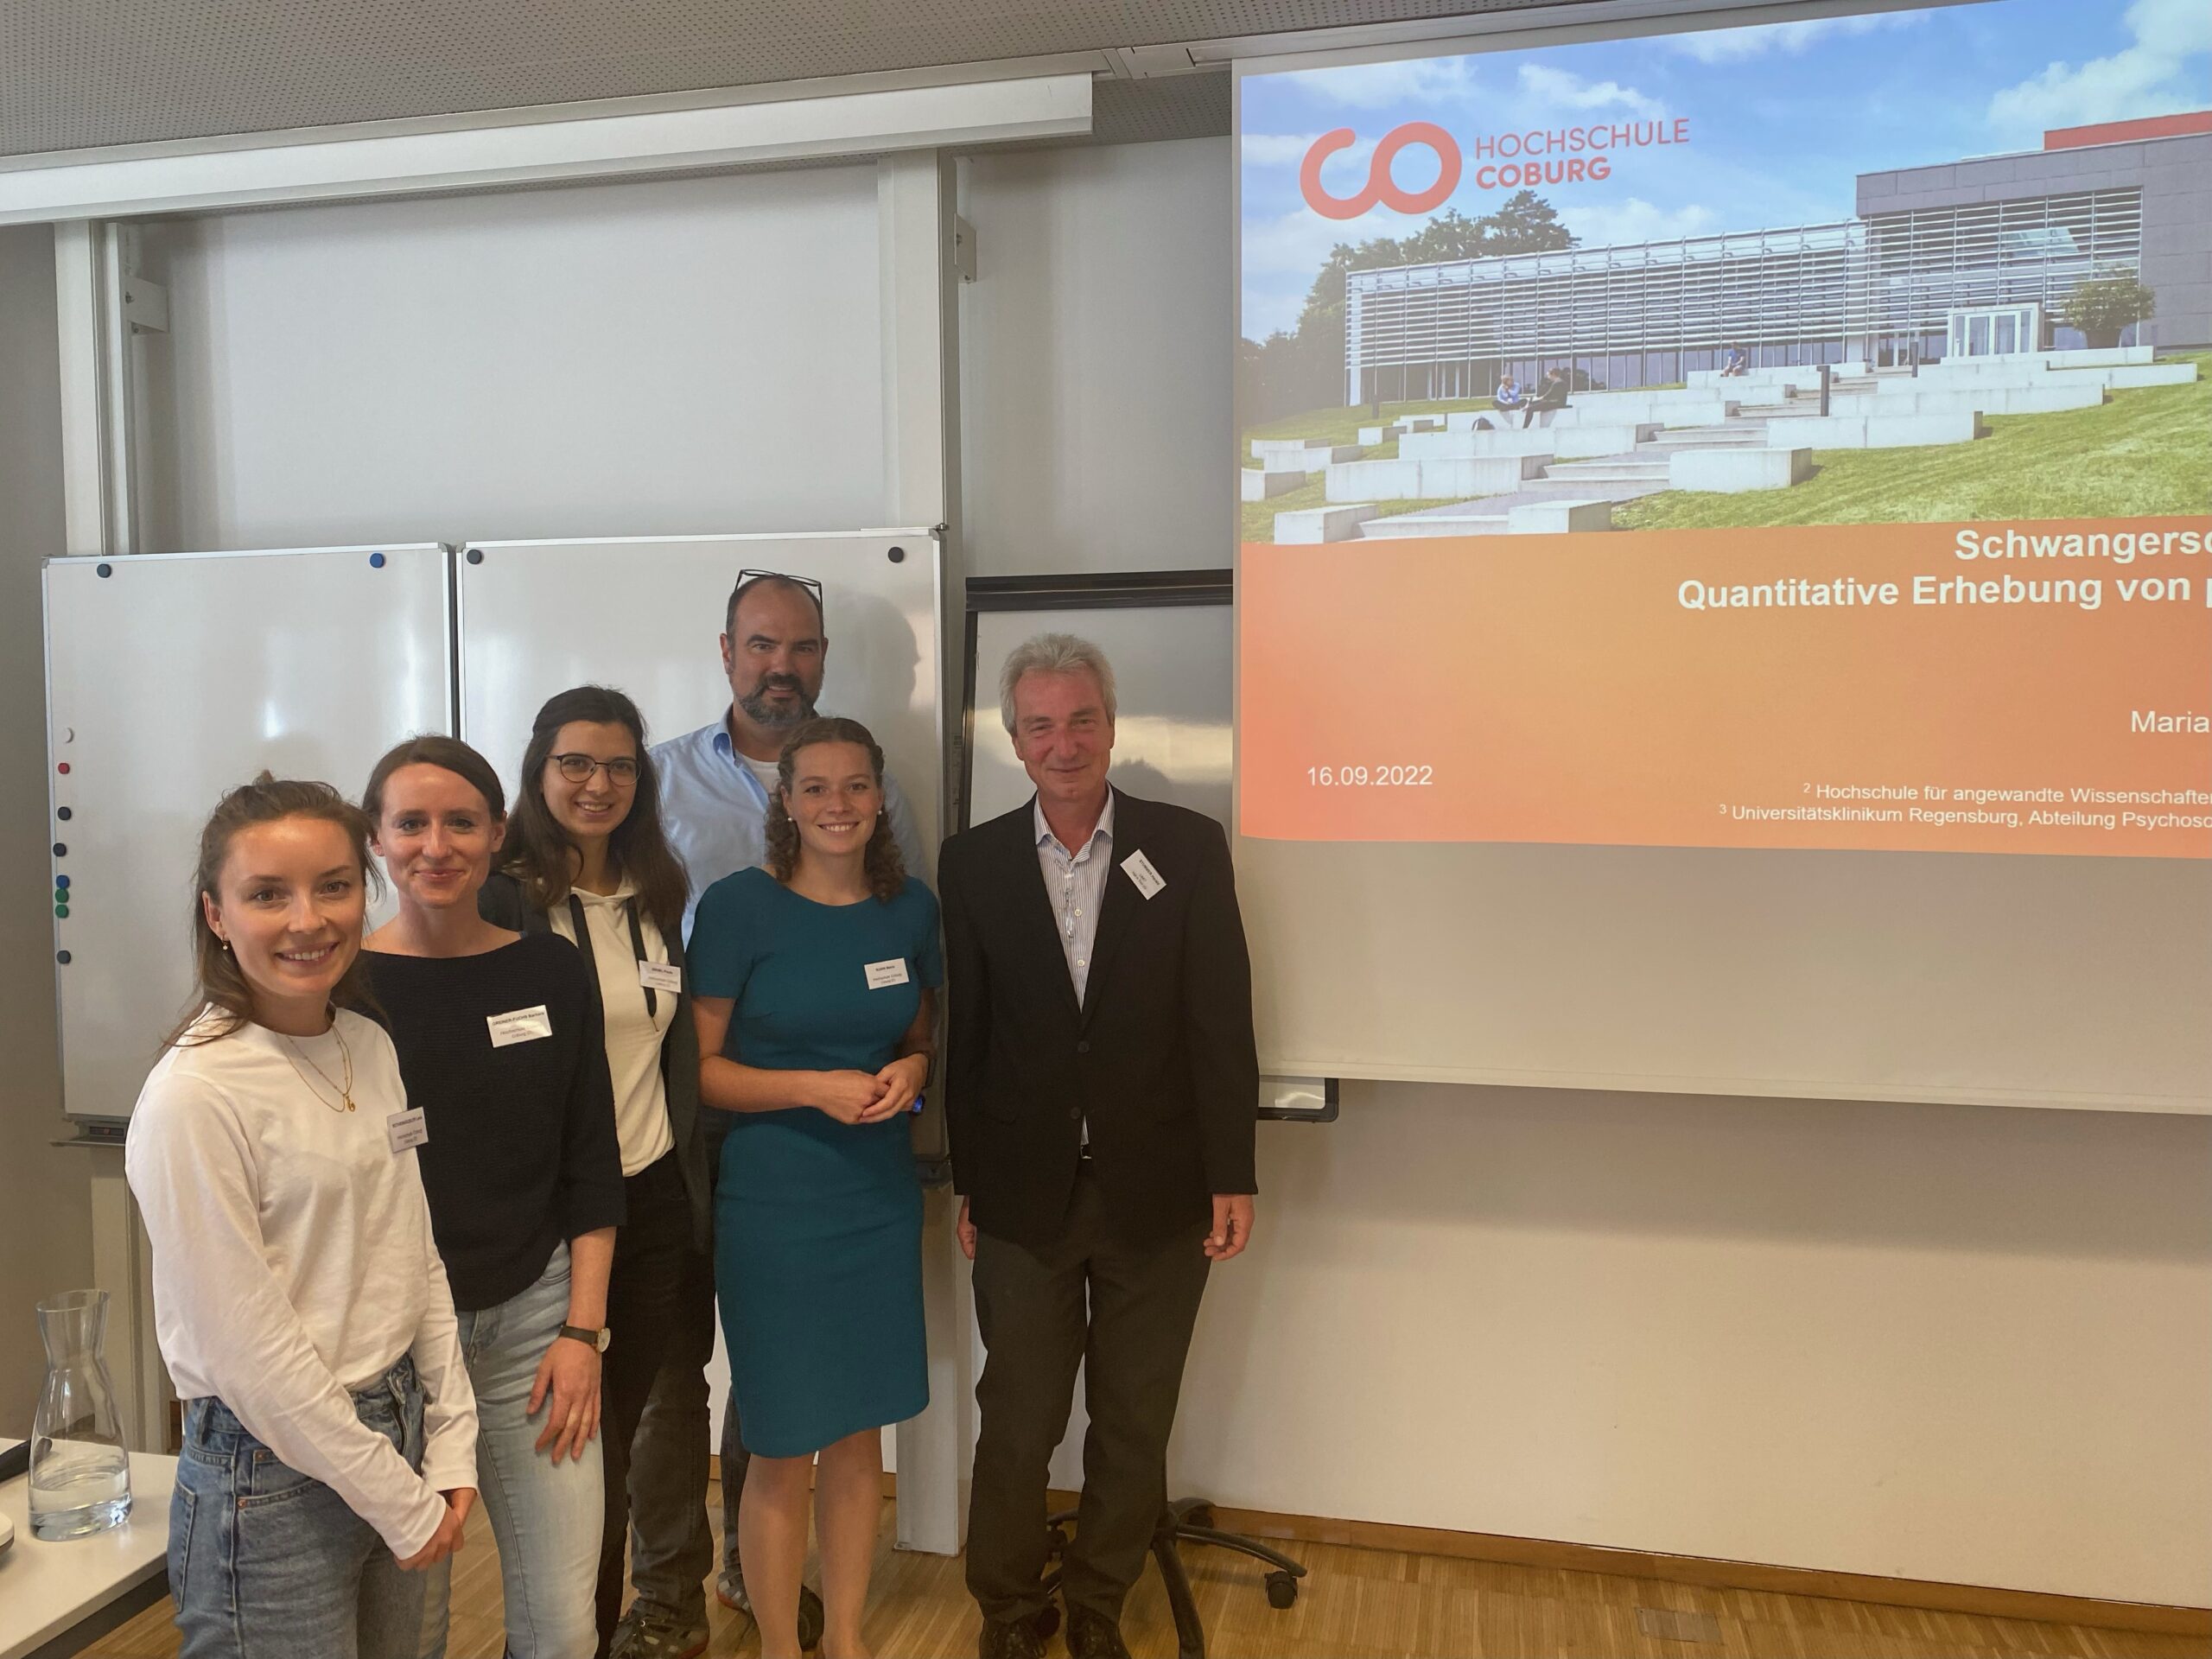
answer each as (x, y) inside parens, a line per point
(266, 1563)
(547, 1519)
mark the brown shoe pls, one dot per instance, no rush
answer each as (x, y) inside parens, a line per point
(1091, 1635)
(1017, 1638)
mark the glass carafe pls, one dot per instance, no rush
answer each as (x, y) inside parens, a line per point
(80, 1469)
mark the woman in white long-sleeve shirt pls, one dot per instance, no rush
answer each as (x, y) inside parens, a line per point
(330, 1431)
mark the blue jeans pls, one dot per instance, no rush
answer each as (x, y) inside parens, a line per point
(546, 1518)
(265, 1563)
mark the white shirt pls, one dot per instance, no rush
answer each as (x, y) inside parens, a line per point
(769, 772)
(294, 1261)
(1076, 883)
(633, 1037)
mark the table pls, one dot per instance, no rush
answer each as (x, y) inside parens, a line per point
(54, 1598)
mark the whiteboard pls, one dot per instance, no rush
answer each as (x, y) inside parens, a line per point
(171, 679)
(1173, 666)
(643, 614)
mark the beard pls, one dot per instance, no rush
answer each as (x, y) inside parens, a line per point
(762, 712)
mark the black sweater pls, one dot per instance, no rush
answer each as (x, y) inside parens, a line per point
(522, 1151)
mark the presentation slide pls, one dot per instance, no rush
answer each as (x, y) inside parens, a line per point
(1789, 436)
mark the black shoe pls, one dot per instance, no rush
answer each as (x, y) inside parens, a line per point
(1091, 1635)
(729, 1590)
(1017, 1638)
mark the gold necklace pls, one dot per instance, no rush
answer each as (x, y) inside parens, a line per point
(345, 1089)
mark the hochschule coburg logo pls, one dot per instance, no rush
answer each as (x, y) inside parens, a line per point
(1510, 161)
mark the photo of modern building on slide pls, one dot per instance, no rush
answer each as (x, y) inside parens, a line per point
(2019, 334)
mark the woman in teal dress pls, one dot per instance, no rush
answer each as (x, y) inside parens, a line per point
(813, 986)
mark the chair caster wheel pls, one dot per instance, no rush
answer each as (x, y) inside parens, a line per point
(1198, 1515)
(1283, 1590)
(1055, 1543)
(1048, 1621)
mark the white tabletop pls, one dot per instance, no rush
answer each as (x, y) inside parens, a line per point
(46, 1588)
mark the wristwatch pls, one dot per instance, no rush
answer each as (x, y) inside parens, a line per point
(594, 1340)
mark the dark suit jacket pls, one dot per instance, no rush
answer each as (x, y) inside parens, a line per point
(1160, 1057)
(501, 902)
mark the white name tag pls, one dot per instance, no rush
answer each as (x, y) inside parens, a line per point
(523, 1026)
(660, 977)
(1139, 871)
(881, 974)
(405, 1129)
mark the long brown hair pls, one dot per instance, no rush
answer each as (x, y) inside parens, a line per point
(216, 980)
(541, 850)
(887, 871)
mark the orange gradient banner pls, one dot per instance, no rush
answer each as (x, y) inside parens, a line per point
(1568, 689)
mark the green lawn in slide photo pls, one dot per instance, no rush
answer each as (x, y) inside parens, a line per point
(2148, 452)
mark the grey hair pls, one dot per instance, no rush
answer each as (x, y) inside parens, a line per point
(1053, 653)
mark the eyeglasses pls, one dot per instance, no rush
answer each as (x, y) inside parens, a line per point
(812, 587)
(622, 771)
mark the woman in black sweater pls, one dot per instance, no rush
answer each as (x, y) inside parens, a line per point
(499, 1042)
(587, 859)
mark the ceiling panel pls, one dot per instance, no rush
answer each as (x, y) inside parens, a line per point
(82, 73)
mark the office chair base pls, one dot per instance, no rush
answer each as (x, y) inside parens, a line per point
(1191, 1520)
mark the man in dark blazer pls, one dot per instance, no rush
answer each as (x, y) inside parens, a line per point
(1101, 1089)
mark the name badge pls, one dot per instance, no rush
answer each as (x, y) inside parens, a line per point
(1139, 869)
(405, 1129)
(881, 974)
(523, 1026)
(660, 977)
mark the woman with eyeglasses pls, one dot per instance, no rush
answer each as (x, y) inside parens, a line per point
(499, 1044)
(589, 861)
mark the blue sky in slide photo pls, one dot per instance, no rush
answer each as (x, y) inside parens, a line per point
(1782, 118)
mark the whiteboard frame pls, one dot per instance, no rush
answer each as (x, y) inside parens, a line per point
(1141, 589)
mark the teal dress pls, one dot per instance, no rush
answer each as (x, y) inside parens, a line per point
(818, 1223)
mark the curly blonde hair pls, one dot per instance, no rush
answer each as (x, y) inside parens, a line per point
(887, 871)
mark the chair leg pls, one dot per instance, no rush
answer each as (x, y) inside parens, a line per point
(1190, 1633)
(1252, 1547)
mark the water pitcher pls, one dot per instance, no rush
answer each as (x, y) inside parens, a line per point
(80, 1469)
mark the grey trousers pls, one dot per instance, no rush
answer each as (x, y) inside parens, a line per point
(1125, 1314)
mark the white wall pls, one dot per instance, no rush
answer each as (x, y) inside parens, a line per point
(1961, 1344)
(46, 1241)
(679, 357)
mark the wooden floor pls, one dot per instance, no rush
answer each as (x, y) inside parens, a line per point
(1370, 1604)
